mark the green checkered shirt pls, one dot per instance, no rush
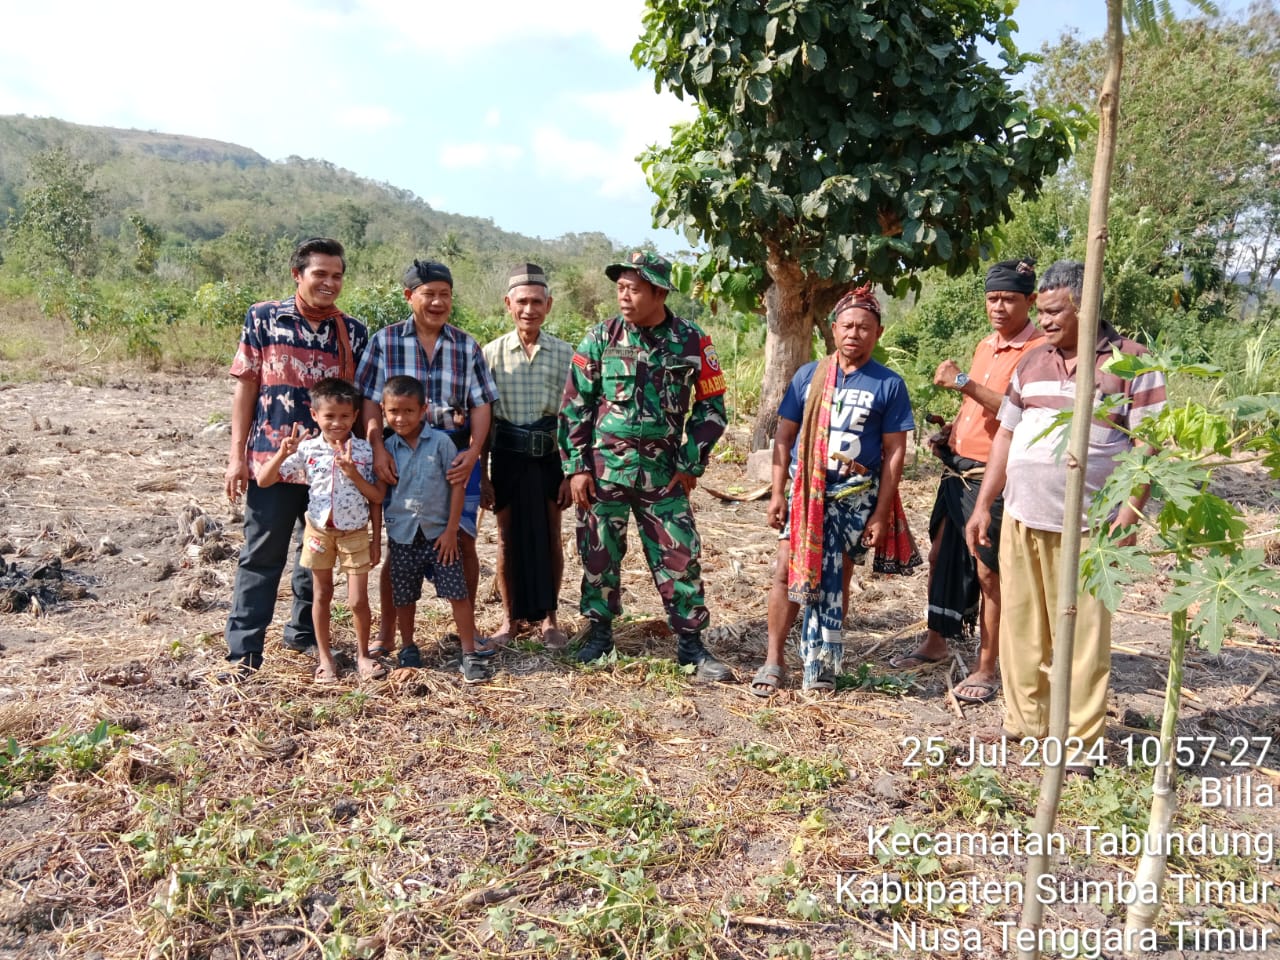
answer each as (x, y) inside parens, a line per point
(529, 388)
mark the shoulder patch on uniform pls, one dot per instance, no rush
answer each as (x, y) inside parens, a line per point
(580, 361)
(711, 377)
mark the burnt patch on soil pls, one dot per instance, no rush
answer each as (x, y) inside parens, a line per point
(40, 587)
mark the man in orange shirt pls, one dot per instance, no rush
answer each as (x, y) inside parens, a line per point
(956, 580)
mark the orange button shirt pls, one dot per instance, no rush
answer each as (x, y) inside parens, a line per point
(994, 361)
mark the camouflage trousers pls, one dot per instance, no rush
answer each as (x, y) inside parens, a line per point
(671, 547)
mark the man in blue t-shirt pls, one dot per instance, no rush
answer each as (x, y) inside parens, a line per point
(870, 418)
(868, 402)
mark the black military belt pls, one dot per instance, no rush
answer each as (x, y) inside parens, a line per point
(537, 439)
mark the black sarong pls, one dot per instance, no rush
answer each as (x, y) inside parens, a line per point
(953, 585)
(525, 483)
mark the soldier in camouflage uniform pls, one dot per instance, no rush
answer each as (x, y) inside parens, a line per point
(643, 406)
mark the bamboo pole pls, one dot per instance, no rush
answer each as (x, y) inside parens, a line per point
(1090, 309)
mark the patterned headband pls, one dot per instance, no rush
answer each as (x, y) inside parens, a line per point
(860, 298)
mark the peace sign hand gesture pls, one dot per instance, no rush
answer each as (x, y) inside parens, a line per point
(346, 463)
(289, 444)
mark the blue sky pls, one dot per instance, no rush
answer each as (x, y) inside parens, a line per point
(530, 115)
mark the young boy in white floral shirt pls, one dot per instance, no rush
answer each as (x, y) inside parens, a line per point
(344, 495)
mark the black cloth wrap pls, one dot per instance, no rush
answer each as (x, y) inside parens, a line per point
(954, 592)
(461, 437)
(525, 483)
(1006, 275)
(425, 271)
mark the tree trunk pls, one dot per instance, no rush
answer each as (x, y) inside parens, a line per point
(1077, 457)
(794, 302)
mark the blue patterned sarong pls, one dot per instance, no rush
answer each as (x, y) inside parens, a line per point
(848, 506)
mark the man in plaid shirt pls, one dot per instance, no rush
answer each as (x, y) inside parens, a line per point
(527, 490)
(460, 392)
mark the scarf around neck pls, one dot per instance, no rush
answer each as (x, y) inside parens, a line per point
(346, 357)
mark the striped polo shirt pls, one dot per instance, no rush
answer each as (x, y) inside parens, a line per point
(1036, 484)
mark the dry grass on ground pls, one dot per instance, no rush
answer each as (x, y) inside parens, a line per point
(559, 811)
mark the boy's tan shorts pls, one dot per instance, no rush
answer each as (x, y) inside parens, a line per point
(322, 548)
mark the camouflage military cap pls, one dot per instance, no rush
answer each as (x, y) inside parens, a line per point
(655, 269)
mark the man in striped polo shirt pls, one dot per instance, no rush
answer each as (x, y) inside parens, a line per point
(1026, 465)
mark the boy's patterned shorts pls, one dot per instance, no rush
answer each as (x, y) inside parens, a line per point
(411, 563)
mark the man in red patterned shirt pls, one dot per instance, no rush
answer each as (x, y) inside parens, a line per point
(286, 346)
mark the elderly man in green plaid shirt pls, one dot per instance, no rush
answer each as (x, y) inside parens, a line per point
(523, 482)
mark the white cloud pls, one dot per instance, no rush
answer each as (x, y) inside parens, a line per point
(466, 156)
(154, 64)
(368, 119)
(455, 31)
(627, 121)
(645, 116)
(416, 94)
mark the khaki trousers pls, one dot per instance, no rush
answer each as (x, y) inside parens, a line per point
(1029, 561)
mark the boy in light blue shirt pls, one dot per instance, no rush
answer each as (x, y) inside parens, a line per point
(422, 515)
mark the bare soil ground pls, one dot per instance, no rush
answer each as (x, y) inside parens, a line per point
(558, 811)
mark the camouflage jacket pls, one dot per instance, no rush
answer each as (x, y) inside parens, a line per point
(642, 403)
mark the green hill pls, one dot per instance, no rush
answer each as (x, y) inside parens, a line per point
(194, 189)
(131, 232)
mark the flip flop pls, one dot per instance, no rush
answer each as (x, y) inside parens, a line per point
(768, 680)
(554, 639)
(913, 661)
(379, 650)
(989, 690)
(485, 647)
(323, 675)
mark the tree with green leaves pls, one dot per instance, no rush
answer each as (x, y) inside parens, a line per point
(55, 228)
(839, 140)
(1195, 198)
(147, 240)
(1218, 580)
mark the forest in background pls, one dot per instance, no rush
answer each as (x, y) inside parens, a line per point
(155, 243)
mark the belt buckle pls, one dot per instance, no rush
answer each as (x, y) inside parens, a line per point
(540, 444)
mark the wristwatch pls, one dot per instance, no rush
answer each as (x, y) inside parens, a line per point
(961, 379)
